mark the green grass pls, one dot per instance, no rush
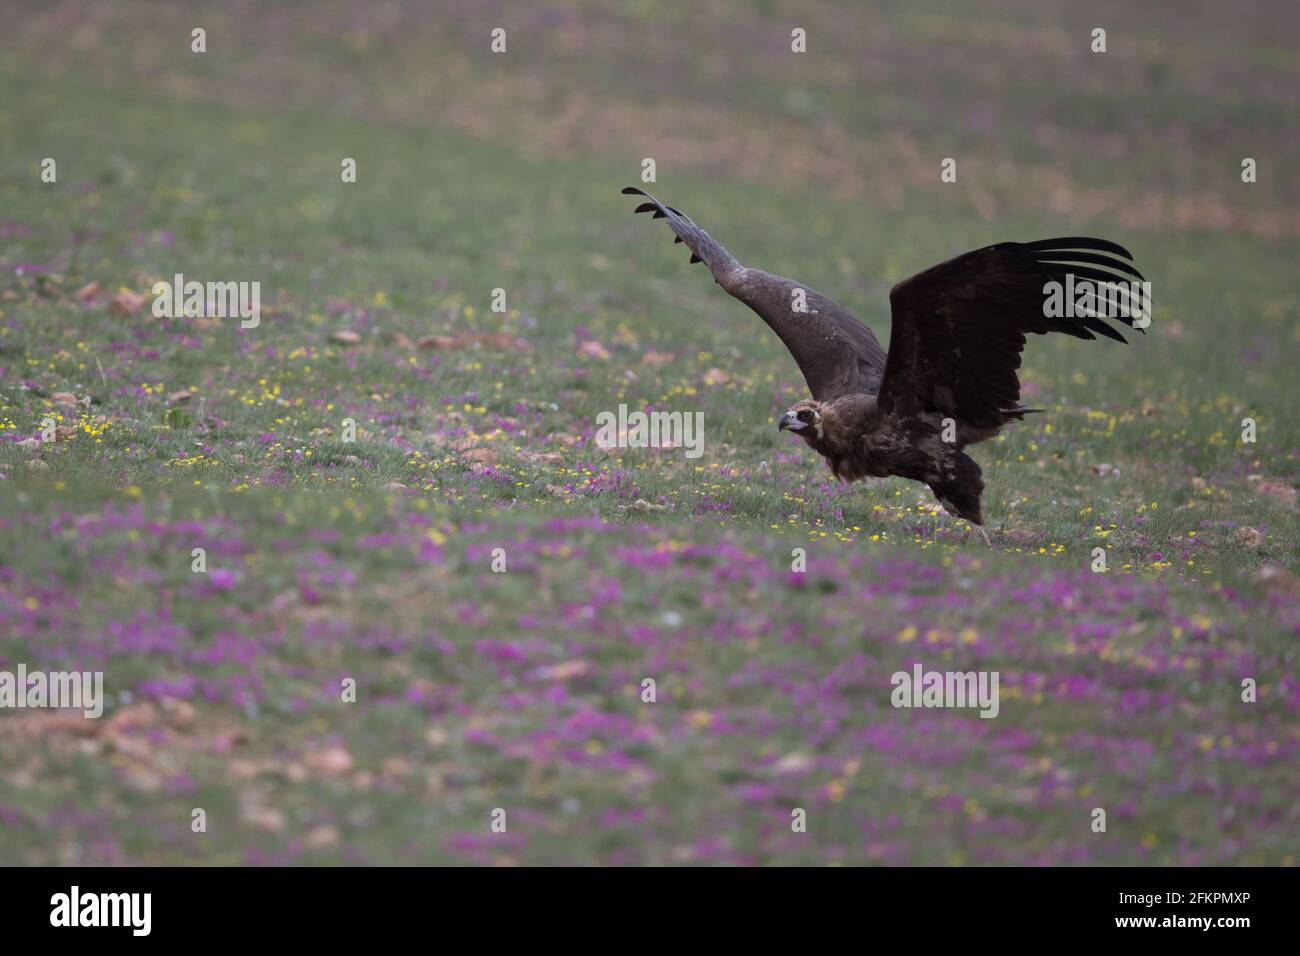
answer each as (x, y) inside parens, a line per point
(774, 686)
(408, 252)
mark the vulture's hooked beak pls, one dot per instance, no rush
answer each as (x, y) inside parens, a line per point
(789, 422)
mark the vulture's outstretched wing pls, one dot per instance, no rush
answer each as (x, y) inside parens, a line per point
(837, 354)
(958, 328)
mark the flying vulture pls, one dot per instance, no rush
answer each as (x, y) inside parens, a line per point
(949, 377)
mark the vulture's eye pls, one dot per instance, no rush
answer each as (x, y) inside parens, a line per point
(804, 416)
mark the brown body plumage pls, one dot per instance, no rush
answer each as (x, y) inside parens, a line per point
(858, 441)
(949, 378)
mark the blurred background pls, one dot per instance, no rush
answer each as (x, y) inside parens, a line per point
(1143, 136)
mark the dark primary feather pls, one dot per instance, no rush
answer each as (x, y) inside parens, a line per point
(958, 328)
(837, 354)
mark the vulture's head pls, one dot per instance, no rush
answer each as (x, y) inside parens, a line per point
(805, 419)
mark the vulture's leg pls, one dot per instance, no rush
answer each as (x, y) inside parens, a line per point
(983, 534)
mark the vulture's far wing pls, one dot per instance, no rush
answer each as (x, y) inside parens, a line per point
(958, 328)
(837, 354)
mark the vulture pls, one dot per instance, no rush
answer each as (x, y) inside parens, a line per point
(956, 334)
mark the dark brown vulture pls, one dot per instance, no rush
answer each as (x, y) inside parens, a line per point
(949, 378)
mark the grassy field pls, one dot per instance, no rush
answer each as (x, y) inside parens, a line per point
(373, 560)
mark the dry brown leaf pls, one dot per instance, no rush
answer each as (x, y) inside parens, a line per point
(127, 303)
(793, 763)
(642, 505)
(263, 818)
(330, 761)
(565, 671)
(1248, 537)
(318, 838)
(437, 342)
